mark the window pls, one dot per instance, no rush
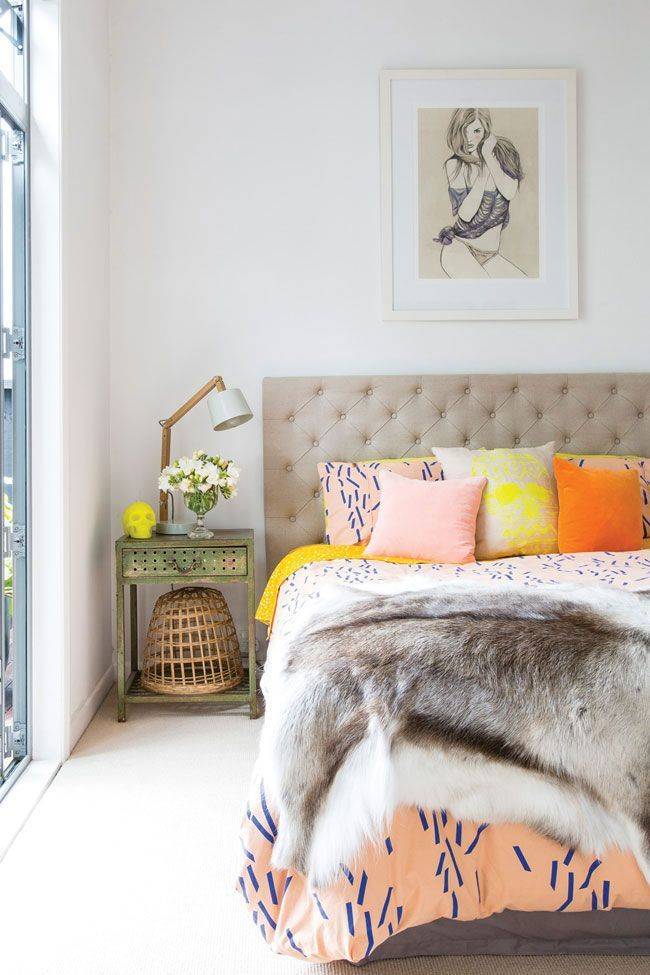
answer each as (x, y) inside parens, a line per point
(12, 30)
(14, 659)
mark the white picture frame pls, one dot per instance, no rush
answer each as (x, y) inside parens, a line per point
(413, 287)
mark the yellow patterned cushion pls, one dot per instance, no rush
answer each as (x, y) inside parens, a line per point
(518, 513)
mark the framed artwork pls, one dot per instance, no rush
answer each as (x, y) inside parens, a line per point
(479, 195)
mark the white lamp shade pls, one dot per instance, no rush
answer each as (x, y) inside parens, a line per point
(228, 408)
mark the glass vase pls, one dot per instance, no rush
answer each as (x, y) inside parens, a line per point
(200, 503)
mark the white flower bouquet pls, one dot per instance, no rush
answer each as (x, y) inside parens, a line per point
(201, 479)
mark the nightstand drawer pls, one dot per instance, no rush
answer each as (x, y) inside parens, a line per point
(192, 562)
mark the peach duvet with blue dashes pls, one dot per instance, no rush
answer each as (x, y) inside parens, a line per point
(430, 865)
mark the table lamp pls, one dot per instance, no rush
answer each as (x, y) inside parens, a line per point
(228, 408)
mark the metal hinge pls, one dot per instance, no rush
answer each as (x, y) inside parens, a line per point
(13, 343)
(12, 146)
(18, 541)
(19, 740)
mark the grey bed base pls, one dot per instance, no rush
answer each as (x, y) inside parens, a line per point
(616, 932)
(313, 418)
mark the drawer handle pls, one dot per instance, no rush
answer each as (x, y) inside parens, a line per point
(196, 564)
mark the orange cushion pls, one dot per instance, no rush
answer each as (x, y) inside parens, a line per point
(600, 511)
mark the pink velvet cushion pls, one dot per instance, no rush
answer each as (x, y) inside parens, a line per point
(430, 520)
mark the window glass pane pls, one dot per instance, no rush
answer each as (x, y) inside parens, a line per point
(6, 208)
(13, 448)
(12, 36)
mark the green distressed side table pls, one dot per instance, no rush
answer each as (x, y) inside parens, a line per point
(228, 557)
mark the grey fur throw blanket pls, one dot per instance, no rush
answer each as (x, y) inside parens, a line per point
(500, 704)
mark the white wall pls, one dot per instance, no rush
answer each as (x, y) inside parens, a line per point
(245, 203)
(85, 324)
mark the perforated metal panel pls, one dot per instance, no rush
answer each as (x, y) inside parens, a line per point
(191, 562)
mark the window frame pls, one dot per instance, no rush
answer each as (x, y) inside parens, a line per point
(14, 109)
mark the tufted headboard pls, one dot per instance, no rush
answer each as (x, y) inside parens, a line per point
(309, 419)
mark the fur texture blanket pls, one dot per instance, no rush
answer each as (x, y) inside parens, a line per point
(499, 704)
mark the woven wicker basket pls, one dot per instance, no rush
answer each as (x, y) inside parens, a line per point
(192, 645)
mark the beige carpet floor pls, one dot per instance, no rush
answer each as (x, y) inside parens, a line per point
(126, 865)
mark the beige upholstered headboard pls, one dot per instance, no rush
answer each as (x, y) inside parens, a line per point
(307, 420)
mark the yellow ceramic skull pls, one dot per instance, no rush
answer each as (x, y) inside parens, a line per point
(138, 520)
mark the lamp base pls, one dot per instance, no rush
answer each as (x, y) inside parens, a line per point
(173, 527)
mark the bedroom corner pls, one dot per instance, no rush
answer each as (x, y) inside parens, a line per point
(325, 452)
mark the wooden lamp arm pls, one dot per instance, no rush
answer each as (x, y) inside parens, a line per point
(165, 455)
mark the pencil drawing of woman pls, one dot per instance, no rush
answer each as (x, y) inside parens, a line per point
(483, 173)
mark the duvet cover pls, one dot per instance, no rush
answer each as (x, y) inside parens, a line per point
(428, 865)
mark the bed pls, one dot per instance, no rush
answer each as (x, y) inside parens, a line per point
(438, 885)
